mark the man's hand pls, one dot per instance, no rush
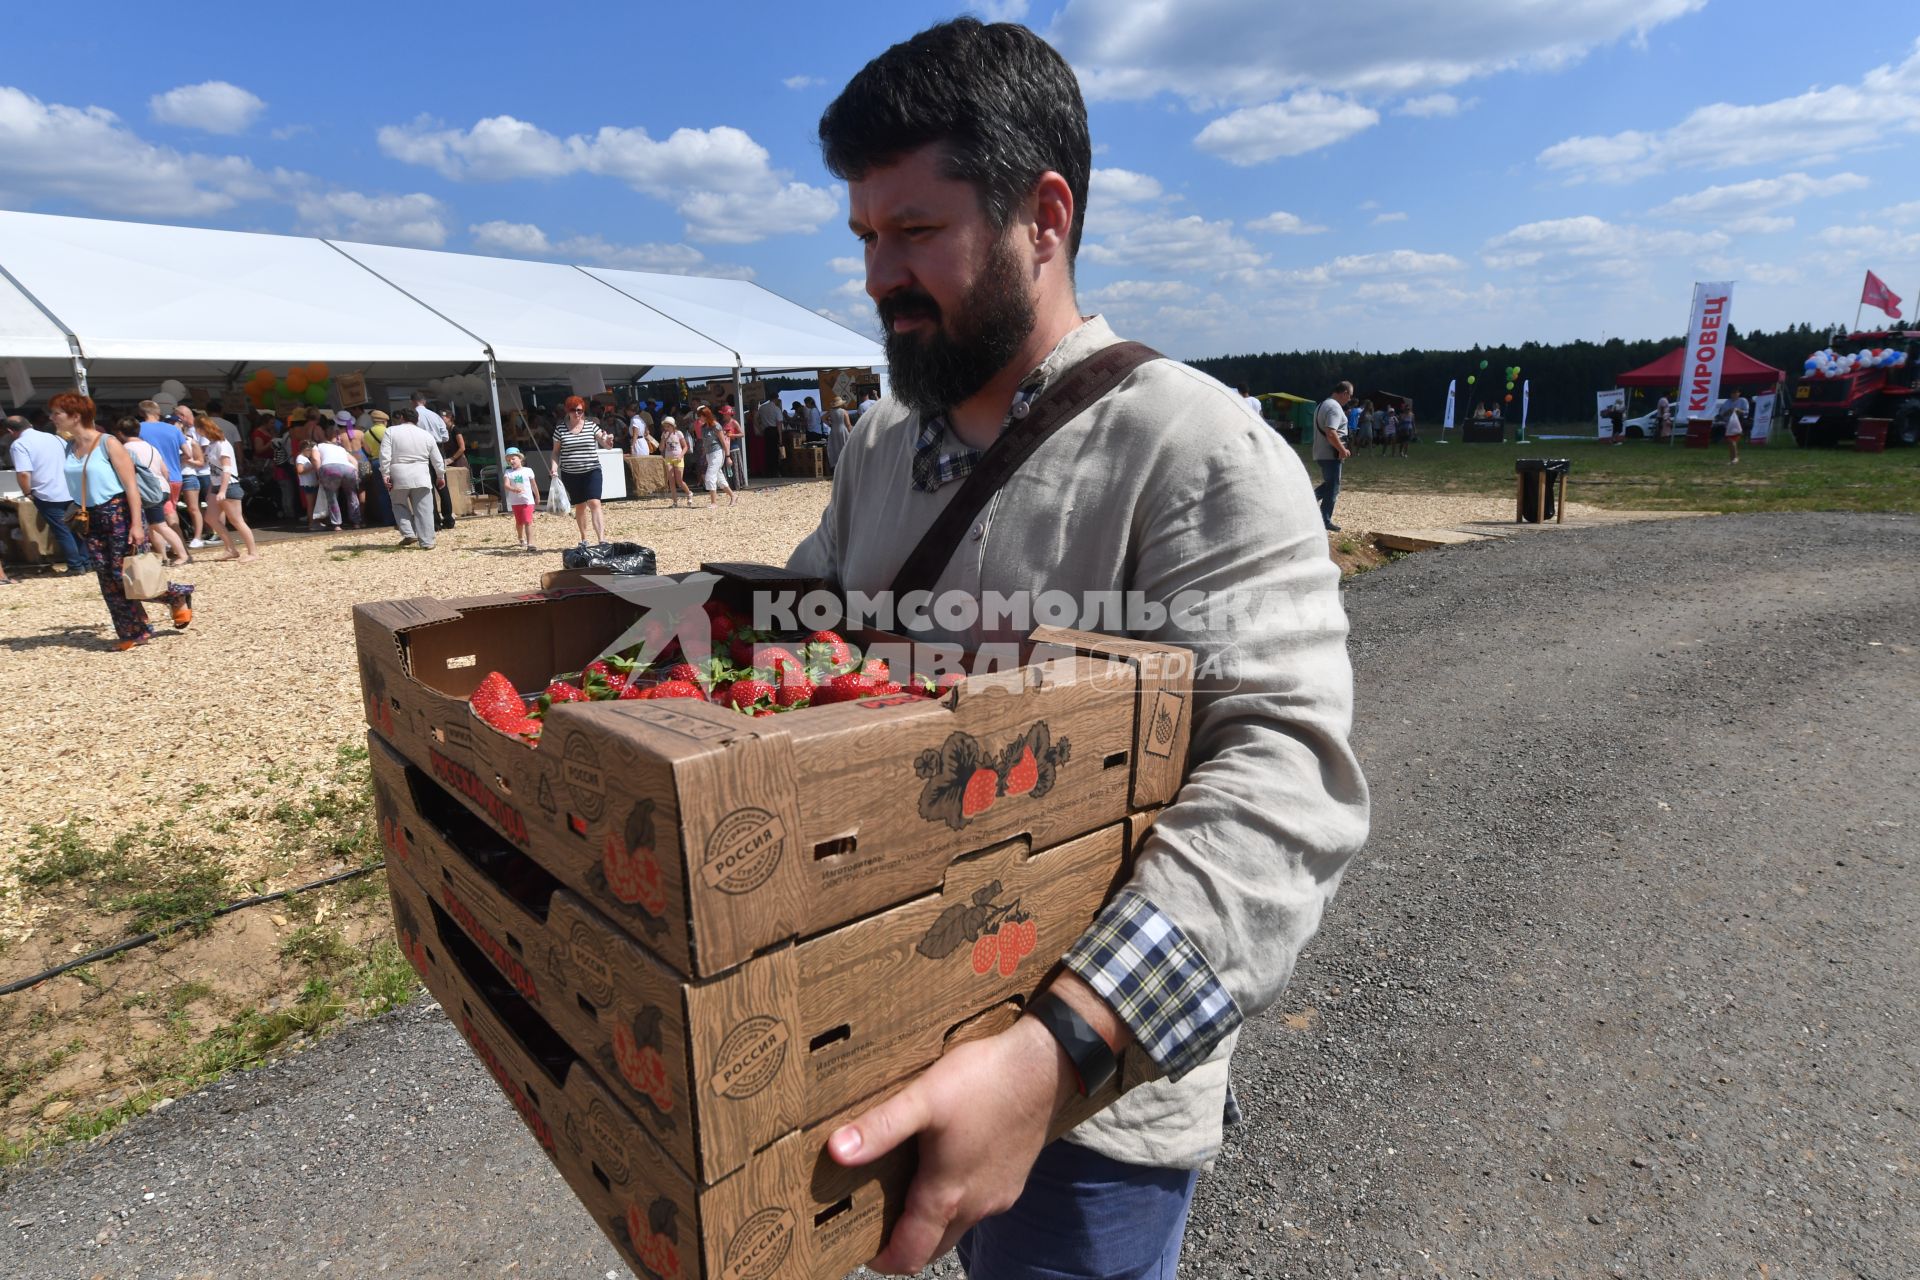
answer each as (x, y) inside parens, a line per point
(981, 1113)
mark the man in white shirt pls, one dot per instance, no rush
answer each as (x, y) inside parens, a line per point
(1330, 448)
(436, 426)
(39, 464)
(1252, 402)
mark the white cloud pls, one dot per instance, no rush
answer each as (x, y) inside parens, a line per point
(853, 289)
(847, 266)
(860, 319)
(1433, 106)
(1757, 224)
(1812, 127)
(802, 82)
(1122, 294)
(519, 239)
(720, 180)
(1282, 223)
(1293, 126)
(212, 107)
(1000, 10)
(85, 154)
(1901, 213)
(417, 220)
(1122, 185)
(525, 240)
(1382, 219)
(1242, 52)
(1588, 239)
(1880, 244)
(1175, 244)
(1760, 196)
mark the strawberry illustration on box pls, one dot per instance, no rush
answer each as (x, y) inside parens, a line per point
(963, 779)
(1002, 934)
(655, 1237)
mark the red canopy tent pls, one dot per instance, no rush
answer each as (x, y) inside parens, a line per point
(1737, 369)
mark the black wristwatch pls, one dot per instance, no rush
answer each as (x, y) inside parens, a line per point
(1092, 1059)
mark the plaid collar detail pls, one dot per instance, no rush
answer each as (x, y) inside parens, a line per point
(935, 467)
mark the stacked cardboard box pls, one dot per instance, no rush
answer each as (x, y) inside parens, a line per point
(688, 943)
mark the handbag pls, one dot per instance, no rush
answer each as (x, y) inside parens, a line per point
(558, 504)
(153, 490)
(143, 576)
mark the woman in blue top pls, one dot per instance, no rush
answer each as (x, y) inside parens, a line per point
(100, 476)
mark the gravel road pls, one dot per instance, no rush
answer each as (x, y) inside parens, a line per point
(1624, 985)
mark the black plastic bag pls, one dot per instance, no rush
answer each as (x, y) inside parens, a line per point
(612, 557)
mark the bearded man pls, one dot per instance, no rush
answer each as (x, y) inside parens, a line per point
(967, 159)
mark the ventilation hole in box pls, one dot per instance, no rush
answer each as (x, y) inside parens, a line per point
(832, 1211)
(533, 1094)
(515, 944)
(834, 848)
(577, 825)
(468, 660)
(587, 1006)
(439, 735)
(842, 1032)
(1114, 761)
(506, 788)
(601, 1177)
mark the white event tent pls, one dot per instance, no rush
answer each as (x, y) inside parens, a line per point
(135, 302)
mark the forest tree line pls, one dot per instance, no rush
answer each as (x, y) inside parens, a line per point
(1564, 376)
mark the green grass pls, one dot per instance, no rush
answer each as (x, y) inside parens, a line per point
(1648, 476)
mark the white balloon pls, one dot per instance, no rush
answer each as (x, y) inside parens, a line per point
(174, 388)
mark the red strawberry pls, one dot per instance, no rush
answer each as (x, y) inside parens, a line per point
(497, 703)
(721, 621)
(826, 649)
(842, 688)
(794, 693)
(633, 692)
(1025, 772)
(561, 691)
(876, 670)
(780, 664)
(891, 686)
(681, 671)
(1029, 936)
(981, 789)
(675, 689)
(986, 952)
(746, 695)
(602, 682)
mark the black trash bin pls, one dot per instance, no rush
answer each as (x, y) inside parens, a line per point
(1537, 502)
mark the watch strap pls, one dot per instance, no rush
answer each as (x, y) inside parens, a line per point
(1093, 1059)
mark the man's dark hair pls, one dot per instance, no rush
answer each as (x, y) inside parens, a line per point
(1002, 102)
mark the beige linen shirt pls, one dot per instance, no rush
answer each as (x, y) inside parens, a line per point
(1169, 484)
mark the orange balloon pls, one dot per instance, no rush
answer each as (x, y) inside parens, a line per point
(1509, 399)
(317, 371)
(296, 380)
(262, 377)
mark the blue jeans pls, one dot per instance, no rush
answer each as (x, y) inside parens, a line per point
(1328, 489)
(1085, 1217)
(56, 514)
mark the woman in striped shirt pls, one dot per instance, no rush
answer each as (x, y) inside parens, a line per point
(576, 461)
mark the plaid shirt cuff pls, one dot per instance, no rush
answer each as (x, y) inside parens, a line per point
(1157, 982)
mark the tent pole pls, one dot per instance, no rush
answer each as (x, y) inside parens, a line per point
(740, 416)
(499, 432)
(79, 367)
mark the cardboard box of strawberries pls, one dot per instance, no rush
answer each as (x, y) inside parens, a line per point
(770, 785)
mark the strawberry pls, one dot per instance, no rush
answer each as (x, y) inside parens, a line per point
(793, 693)
(827, 650)
(497, 703)
(682, 671)
(779, 664)
(674, 689)
(602, 681)
(981, 789)
(561, 691)
(1010, 952)
(721, 621)
(747, 695)
(633, 692)
(986, 952)
(1025, 772)
(891, 686)
(875, 669)
(842, 688)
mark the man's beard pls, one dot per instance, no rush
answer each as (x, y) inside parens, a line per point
(934, 370)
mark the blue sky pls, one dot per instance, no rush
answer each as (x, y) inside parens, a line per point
(1268, 175)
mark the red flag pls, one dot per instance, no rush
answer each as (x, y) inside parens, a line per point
(1876, 294)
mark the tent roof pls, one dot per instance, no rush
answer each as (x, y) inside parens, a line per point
(25, 330)
(193, 303)
(134, 291)
(766, 329)
(1737, 369)
(541, 313)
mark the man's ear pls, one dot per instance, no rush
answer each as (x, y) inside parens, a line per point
(1051, 207)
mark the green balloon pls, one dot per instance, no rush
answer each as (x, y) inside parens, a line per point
(1483, 364)
(1470, 379)
(280, 387)
(315, 394)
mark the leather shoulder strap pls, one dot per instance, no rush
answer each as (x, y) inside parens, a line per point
(1071, 394)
